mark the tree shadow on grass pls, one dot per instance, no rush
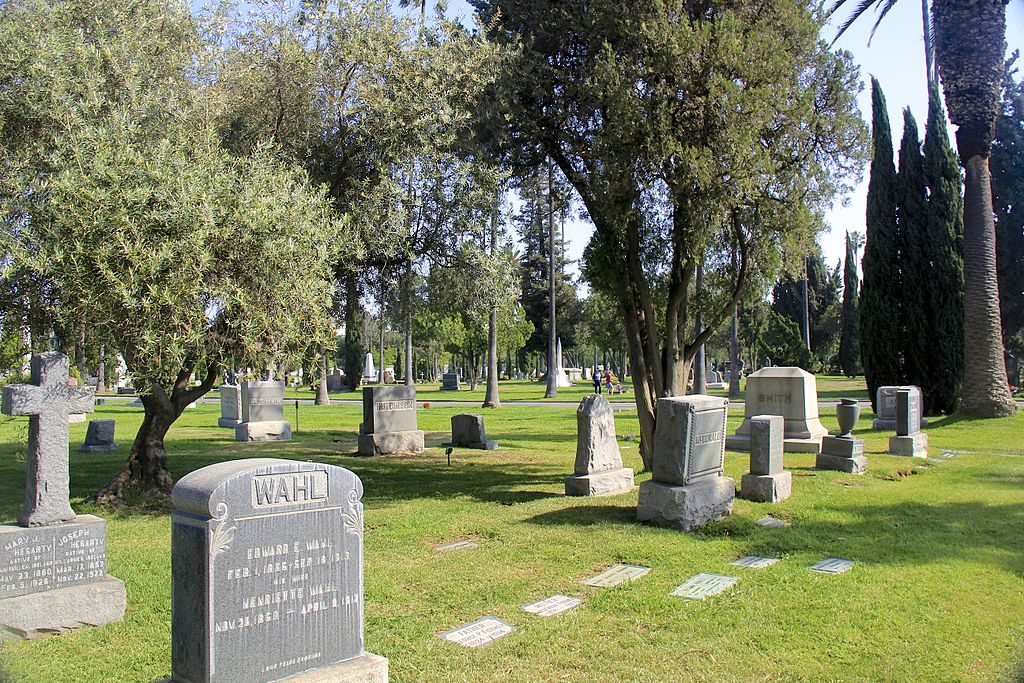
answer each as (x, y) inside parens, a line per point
(587, 515)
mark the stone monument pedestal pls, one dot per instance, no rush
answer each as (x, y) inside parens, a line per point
(912, 445)
(766, 488)
(383, 443)
(277, 430)
(842, 454)
(37, 615)
(604, 483)
(685, 507)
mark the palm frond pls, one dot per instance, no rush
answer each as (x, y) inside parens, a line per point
(862, 7)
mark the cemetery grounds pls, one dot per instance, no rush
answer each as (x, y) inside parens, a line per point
(936, 592)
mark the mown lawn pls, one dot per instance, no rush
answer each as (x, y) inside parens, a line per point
(937, 592)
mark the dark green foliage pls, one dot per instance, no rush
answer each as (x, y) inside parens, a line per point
(849, 336)
(1008, 200)
(912, 226)
(880, 313)
(944, 287)
(823, 309)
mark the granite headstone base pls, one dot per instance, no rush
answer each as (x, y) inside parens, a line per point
(37, 615)
(766, 488)
(385, 443)
(229, 422)
(888, 424)
(842, 454)
(368, 668)
(741, 442)
(605, 483)
(685, 507)
(913, 446)
(263, 431)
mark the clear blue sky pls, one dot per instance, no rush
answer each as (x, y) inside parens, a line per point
(896, 58)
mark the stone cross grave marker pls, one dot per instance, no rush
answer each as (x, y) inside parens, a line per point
(47, 401)
(556, 604)
(616, 574)
(704, 585)
(267, 575)
(479, 633)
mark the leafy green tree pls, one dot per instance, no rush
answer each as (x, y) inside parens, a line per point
(678, 127)
(138, 218)
(849, 340)
(822, 309)
(880, 295)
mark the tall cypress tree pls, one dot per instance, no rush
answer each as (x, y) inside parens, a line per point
(943, 382)
(849, 339)
(914, 265)
(880, 310)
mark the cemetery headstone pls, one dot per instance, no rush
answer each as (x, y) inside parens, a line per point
(230, 406)
(389, 375)
(843, 452)
(468, 432)
(389, 421)
(99, 437)
(335, 381)
(53, 563)
(263, 412)
(598, 469)
(766, 482)
(885, 403)
(688, 488)
(909, 440)
(369, 372)
(790, 392)
(267, 575)
(450, 382)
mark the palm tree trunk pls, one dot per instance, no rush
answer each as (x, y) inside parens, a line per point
(551, 390)
(491, 398)
(986, 393)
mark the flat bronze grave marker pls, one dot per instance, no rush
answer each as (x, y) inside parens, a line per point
(458, 545)
(704, 585)
(616, 574)
(479, 633)
(755, 562)
(833, 565)
(556, 604)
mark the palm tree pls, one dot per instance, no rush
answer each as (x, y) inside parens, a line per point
(970, 47)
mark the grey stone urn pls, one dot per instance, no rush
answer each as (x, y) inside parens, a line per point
(847, 411)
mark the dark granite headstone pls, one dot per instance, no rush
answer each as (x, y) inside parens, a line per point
(468, 432)
(450, 382)
(766, 444)
(267, 573)
(99, 437)
(908, 413)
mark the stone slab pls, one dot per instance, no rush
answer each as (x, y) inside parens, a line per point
(616, 574)
(685, 507)
(766, 488)
(55, 611)
(457, 545)
(689, 439)
(833, 565)
(607, 483)
(386, 443)
(262, 401)
(766, 443)
(597, 449)
(842, 446)
(704, 586)
(855, 465)
(263, 431)
(230, 406)
(791, 393)
(388, 409)
(755, 562)
(913, 446)
(741, 442)
(369, 668)
(76, 417)
(771, 522)
(479, 633)
(99, 437)
(468, 432)
(556, 604)
(41, 559)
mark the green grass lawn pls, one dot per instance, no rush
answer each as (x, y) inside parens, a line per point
(937, 592)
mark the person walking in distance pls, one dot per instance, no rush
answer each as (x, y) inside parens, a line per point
(597, 381)
(608, 381)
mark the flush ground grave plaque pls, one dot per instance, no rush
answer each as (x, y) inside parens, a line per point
(479, 633)
(616, 574)
(833, 565)
(771, 522)
(457, 545)
(704, 586)
(267, 575)
(755, 562)
(556, 604)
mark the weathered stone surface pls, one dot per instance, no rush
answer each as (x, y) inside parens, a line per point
(43, 614)
(230, 406)
(689, 440)
(47, 402)
(388, 409)
(913, 445)
(262, 413)
(685, 507)
(766, 488)
(605, 483)
(597, 449)
(766, 444)
(908, 413)
(885, 402)
(386, 443)
(267, 573)
(76, 417)
(791, 393)
(99, 437)
(468, 432)
(450, 382)
(263, 431)
(858, 464)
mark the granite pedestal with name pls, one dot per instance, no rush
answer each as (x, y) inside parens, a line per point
(885, 403)
(766, 482)
(267, 575)
(598, 470)
(450, 382)
(843, 452)
(263, 413)
(53, 563)
(99, 437)
(468, 432)
(791, 393)
(688, 489)
(909, 440)
(231, 406)
(389, 421)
